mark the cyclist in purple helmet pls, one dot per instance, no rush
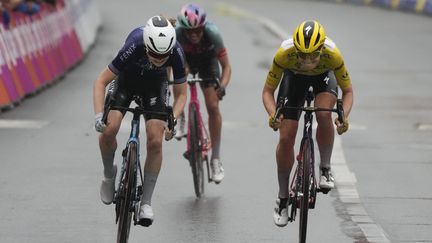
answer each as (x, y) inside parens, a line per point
(205, 51)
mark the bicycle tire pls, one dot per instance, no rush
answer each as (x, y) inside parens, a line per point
(306, 180)
(125, 198)
(195, 153)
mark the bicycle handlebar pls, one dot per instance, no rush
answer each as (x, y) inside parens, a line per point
(194, 80)
(141, 111)
(198, 80)
(281, 106)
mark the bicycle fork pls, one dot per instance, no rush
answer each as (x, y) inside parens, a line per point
(295, 188)
(138, 189)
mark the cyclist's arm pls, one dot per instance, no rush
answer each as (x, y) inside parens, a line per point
(273, 79)
(104, 78)
(226, 70)
(179, 90)
(269, 99)
(221, 52)
(347, 99)
(344, 81)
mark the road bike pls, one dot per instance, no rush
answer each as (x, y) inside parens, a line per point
(129, 188)
(198, 142)
(303, 187)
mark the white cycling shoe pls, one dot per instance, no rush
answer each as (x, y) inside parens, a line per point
(146, 215)
(326, 179)
(180, 127)
(217, 171)
(280, 215)
(107, 188)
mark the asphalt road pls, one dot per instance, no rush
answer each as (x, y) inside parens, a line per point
(51, 168)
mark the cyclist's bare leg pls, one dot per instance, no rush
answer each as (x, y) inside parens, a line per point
(214, 120)
(285, 154)
(325, 129)
(153, 162)
(108, 142)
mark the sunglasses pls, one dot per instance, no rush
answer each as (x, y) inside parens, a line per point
(157, 55)
(197, 31)
(312, 55)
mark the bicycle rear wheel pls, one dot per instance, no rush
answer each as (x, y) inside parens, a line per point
(125, 195)
(195, 156)
(305, 185)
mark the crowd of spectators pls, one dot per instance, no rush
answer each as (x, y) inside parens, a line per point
(28, 7)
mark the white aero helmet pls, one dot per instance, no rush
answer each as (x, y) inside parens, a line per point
(159, 35)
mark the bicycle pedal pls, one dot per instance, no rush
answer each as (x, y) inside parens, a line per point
(324, 190)
(145, 222)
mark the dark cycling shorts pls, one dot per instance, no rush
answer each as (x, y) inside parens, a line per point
(295, 86)
(208, 71)
(153, 94)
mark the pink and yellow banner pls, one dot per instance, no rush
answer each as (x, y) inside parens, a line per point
(36, 50)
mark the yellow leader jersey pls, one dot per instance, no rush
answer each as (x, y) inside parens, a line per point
(286, 58)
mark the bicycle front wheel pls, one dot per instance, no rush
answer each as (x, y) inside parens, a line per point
(196, 159)
(305, 185)
(125, 195)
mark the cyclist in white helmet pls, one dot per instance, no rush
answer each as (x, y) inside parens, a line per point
(139, 69)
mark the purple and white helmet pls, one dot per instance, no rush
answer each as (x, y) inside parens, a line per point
(192, 16)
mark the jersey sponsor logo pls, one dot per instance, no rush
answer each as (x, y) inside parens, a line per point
(308, 124)
(153, 101)
(308, 28)
(286, 44)
(125, 55)
(329, 44)
(272, 75)
(345, 76)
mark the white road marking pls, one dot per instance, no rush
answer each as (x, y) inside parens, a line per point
(25, 124)
(348, 194)
(424, 126)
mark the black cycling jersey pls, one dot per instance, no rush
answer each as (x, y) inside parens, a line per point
(137, 76)
(133, 62)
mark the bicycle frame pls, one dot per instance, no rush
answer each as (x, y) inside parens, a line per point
(203, 134)
(304, 175)
(129, 188)
(139, 179)
(297, 195)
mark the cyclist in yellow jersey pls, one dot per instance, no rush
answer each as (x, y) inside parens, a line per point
(307, 59)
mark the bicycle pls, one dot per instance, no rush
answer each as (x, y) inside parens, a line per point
(129, 189)
(198, 142)
(303, 186)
